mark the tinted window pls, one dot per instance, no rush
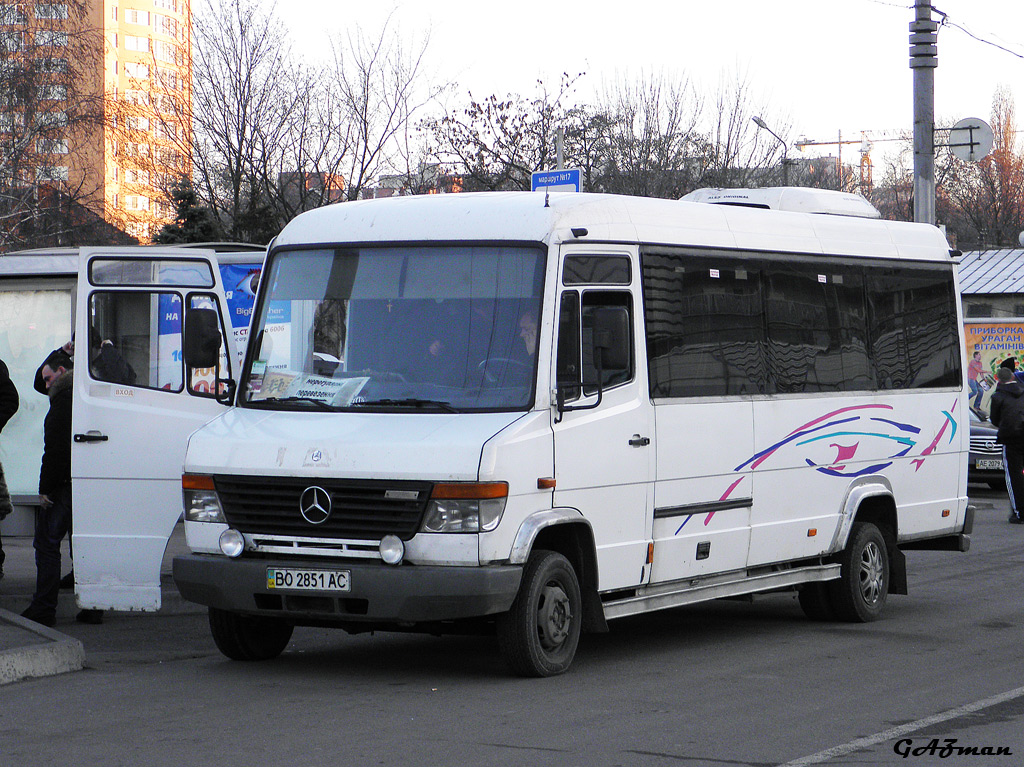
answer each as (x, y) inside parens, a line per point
(909, 318)
(596, 270)
(149, 271)
(816, 328)
(705, 329)
(718, 325)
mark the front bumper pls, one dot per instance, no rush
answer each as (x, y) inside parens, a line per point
(380, 594)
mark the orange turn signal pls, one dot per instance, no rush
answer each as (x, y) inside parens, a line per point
(197, 482)
(470, 490)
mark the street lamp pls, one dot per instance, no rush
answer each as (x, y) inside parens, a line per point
(785, 161)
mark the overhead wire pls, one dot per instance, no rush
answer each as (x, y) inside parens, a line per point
(947, 21)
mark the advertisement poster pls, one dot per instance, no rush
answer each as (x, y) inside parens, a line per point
(240, 282)
(990, 343)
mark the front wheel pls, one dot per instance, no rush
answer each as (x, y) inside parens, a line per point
(249, 637)
(859, 594)
(539, 634)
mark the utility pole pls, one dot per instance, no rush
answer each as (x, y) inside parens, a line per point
(923, 61)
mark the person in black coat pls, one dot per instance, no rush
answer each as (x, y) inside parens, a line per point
(53, 518)
(63, 357)
(1007, 413)
(8, 407)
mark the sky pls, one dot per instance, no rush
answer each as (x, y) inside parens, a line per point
(824, 67)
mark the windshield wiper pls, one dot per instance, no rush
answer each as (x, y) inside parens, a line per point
(407, 402)
(308, 400)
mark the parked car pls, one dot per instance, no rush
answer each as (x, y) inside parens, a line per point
(986, 461)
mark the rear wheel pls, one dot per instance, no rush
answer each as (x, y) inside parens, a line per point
(248, 637)
(539, 634)
(859, 594)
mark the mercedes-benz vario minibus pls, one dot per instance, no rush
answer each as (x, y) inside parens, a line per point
(534, 413)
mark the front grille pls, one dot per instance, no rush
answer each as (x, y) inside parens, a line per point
(986, 446)
(361, 509)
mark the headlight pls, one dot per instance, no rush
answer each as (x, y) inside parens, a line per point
(232, 543)
(200, 499)
(392, 549)
(468, 507)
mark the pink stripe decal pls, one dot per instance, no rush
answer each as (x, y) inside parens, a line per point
(725, 495)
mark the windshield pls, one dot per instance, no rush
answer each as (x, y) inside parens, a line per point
(436, 328)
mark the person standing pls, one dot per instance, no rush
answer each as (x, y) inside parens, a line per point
(8, 407)
(1007, 413)
(53, 518)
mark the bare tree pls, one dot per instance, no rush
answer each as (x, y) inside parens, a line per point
(243, 92)
(653, 145)
(496, 144)
(51, 115)
(736, 152)
(989, 194)
(379, 89)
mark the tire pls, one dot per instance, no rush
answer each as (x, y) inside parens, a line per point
(816, 602)
(997, 484)
(539, 634)
(248, 637)
(859, 594)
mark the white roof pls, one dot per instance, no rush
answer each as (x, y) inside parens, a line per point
(985, 272)
(538, 217)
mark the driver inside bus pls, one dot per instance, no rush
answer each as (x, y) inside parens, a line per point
(528, 332)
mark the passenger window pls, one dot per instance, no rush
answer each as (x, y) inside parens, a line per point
(135, 339)
(568, 362)
(577, 354)
(203, 381)
(596, 270)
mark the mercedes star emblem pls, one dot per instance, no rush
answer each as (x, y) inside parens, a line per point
(315, 505)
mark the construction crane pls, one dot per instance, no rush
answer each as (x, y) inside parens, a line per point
(866, 140)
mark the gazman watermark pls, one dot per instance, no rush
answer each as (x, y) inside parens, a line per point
(943, 749)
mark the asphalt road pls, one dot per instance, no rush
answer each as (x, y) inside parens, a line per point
(725, 683)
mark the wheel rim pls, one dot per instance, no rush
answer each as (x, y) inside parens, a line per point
(554, 616)
(872, 573)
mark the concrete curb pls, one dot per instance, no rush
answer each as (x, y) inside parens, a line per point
(46, 653)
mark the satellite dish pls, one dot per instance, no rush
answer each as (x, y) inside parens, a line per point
(1020, 238)
(971, 139)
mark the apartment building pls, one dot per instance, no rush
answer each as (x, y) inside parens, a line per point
(96, 103)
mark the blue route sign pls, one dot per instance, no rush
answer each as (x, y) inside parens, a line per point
(567, 180)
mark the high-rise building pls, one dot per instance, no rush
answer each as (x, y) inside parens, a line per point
(95, 98)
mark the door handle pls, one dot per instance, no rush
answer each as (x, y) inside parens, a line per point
(91, 436)
(639, 441)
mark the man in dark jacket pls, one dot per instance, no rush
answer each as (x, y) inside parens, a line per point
(53, 518)
(1007, 413)
(8, 407)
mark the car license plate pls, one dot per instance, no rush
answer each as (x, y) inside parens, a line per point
(989, 463)
(308, 580)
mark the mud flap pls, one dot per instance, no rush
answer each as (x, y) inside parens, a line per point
(897, 571)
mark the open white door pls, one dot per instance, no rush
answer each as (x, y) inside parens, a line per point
(135, 404)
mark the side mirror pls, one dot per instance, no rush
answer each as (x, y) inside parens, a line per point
(610, 347)
(611, 337)
(201, 338)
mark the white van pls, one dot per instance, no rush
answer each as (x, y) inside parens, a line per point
(129, 434)
(537, 413)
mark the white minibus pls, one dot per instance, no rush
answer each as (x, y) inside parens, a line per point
(532, 413)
